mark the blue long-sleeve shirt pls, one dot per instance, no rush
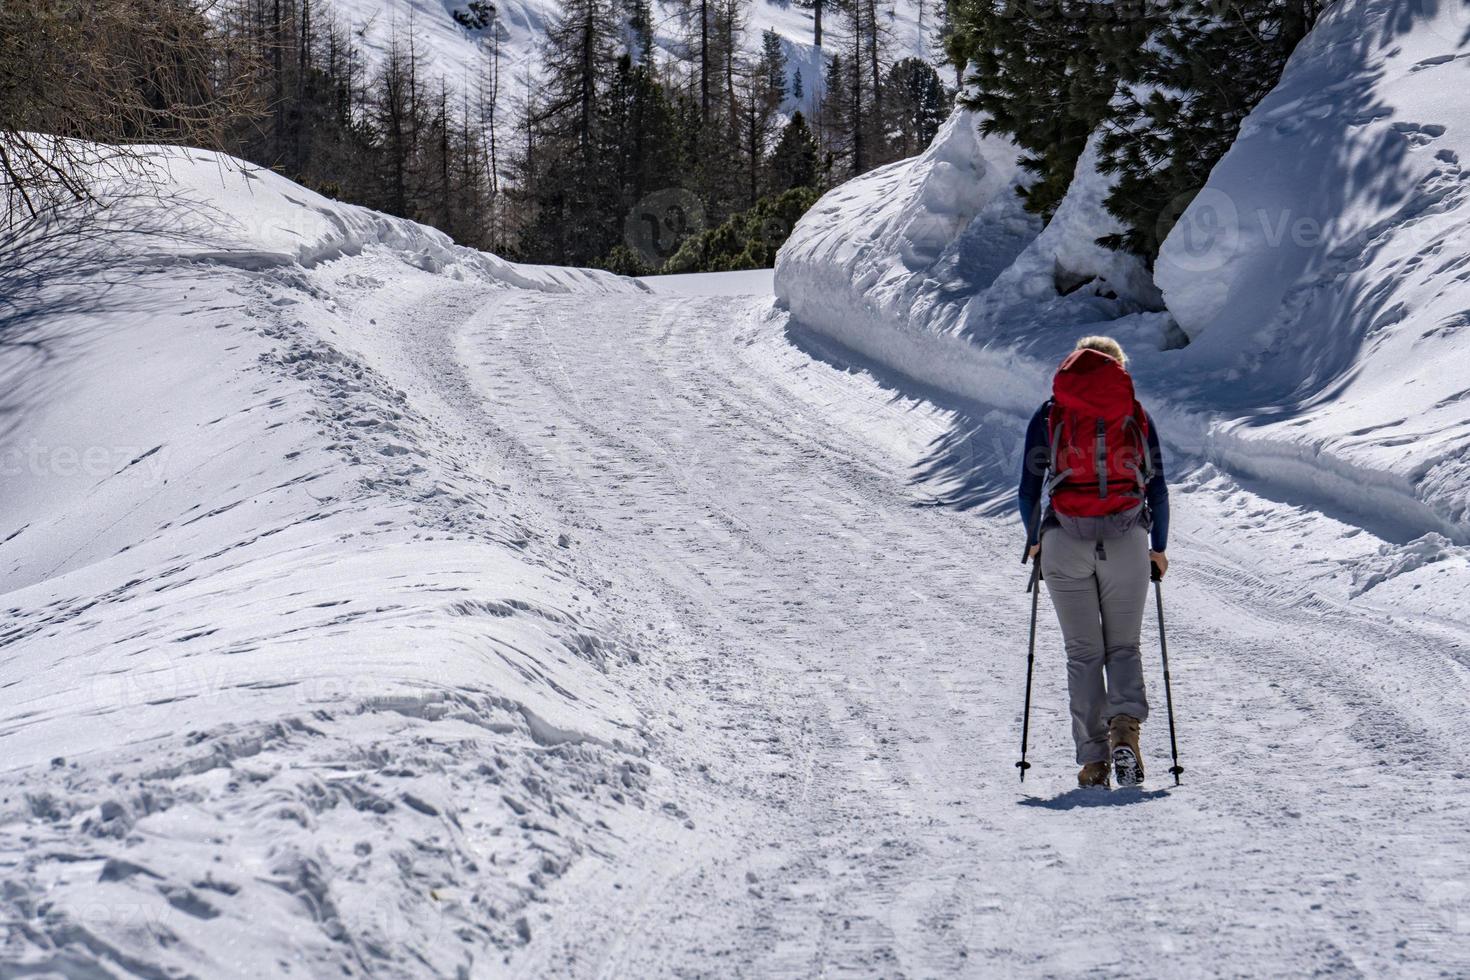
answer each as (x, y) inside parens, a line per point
(1037, 455)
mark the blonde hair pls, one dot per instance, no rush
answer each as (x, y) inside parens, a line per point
(1104, 345)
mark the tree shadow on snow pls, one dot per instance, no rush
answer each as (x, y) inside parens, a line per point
(1079, 799)
(75, 267)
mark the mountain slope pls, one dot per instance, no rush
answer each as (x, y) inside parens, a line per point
(911, 31)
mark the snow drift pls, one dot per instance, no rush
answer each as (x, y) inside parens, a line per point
(887, 262)
(1322, 270)
(284, 659)
(932, 267)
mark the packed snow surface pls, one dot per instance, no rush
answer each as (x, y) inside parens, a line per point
(375, 607)
(750, 282)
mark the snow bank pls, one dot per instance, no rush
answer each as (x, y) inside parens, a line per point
(1320, 274)
(886, 263)
(933, 268)
(292, 660)
(193, 205)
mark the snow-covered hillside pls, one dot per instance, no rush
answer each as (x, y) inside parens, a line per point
(1322, 275)
(912, 31)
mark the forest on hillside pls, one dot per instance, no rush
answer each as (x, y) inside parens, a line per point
(611, 154)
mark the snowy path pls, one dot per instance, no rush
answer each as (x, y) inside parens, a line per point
(471, 630)
(846, 706)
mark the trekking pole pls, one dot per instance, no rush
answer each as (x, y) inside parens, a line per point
(1164, 651)
(1035, 591)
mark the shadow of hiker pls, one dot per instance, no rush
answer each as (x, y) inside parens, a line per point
(1078, 799)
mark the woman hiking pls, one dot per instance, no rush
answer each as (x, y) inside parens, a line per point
(1093, 454)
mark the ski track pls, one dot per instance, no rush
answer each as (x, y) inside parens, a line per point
(831, 687)
(860, 659)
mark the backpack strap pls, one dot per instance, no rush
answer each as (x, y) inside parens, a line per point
(1056, 419)
(1144, 469)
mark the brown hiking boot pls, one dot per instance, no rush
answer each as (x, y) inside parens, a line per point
(1123, 742)
(1094, 774)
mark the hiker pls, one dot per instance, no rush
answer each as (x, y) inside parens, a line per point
(1093, 452)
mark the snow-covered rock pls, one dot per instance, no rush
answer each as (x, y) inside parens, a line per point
(1320, 274)
(1067, 256)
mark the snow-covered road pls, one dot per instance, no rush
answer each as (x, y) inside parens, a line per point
(711, 680)
(844, 703)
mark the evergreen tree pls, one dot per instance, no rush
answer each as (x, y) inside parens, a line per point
(773, 64)
(794, 160)
(1203, 71)
(748, 240)
(642, 146)
(564, 183)
(1045, 75)
(640, 29)
(834, 122)
(916, 104)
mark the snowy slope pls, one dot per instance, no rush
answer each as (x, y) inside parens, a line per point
(280, 649)
(911, 27)
(1322, 269)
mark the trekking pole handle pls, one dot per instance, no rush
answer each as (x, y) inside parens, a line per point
(1031, 534)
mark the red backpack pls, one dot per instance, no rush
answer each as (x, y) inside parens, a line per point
(1099, 438)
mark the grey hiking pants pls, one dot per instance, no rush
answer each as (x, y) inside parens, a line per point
(1099, 603)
